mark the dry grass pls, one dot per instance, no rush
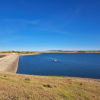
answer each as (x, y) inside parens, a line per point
(28, 87)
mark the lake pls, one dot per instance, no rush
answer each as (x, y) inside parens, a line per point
(85, 65)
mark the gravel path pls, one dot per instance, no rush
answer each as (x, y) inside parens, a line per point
(7, 62)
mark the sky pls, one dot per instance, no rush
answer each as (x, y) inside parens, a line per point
(40, 25)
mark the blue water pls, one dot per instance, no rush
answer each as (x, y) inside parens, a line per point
(85, 65)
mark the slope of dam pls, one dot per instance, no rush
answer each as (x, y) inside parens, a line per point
(9, 63)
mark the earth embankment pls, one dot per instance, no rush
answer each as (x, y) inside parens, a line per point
(9, 62)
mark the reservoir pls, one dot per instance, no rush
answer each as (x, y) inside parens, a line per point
(85, 65)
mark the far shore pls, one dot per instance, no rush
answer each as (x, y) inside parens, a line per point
(24, 53)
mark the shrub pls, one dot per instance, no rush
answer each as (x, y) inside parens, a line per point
(5, 76)
(27, 79)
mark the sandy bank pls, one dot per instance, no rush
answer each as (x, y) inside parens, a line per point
(9, 63)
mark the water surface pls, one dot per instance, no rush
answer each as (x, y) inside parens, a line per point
(68, 64)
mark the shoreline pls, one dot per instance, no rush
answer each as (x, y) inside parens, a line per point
(28, 54)
(14, 66)
(15, 86)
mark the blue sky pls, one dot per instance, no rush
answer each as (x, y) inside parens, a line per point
(40, 25)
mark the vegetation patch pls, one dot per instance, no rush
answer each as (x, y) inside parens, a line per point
(49, 85)
(28, 87)
(27, 79)
(5, 76)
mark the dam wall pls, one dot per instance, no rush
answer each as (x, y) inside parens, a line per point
(9, 63)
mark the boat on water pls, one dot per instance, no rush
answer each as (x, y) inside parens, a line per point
(55, 60)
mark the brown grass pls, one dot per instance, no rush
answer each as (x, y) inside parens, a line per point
(30, 87)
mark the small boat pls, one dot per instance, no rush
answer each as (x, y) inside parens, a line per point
(55, 60)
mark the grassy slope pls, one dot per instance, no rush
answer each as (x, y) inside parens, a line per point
(30, 87)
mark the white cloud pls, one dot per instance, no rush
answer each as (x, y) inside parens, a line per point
(20, 20)
(27, 21)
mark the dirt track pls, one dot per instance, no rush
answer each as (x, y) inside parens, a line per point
(9, 62)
